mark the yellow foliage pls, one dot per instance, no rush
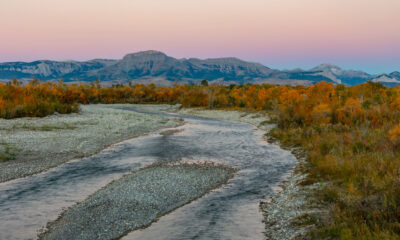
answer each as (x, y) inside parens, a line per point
(395, 134)
(321, 114)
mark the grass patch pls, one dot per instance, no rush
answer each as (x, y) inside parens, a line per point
(62, 126)
(267, 122)
(7, 152)
(304, 220)
(57, 127)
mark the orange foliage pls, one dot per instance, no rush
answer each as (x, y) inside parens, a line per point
(395, 134)
(321, 114)
(321, 103)
(351, 112)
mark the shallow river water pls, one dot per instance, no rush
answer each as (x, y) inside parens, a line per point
(232, 212)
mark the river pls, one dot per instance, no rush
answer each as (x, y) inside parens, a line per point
(232, 212)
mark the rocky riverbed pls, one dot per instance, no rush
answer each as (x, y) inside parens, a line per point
(258, 119)
(32, 145)
(137, 200)
(292, 210)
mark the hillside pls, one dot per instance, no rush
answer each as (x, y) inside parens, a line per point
(157, 67)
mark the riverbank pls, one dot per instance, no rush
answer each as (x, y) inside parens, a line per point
(292, 210)
(137, 199)
(33, 145)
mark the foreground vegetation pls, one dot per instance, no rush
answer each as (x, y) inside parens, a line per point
(351, 134)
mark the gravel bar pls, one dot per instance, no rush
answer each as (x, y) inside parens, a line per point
(293, 211)
(136, 200)
(33, 145)
(258, 119)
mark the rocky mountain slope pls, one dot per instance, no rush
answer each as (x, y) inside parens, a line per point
(154, 66)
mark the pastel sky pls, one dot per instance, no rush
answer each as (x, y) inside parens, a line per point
(283, 34)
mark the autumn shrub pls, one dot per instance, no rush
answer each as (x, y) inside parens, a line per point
(352, 136)
(32, 100)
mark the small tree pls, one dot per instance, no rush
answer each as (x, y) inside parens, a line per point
(204, 83)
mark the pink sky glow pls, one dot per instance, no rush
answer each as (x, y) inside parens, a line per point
(360, 34)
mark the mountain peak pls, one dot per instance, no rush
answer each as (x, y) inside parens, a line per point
(145, 58)
(145, 54)
(395, 74)
(326, 67)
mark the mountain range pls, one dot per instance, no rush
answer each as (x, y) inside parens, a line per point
(157, 67)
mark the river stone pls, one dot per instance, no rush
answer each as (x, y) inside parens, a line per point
(136, 200)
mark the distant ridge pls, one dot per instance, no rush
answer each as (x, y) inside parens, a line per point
(157, 67)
